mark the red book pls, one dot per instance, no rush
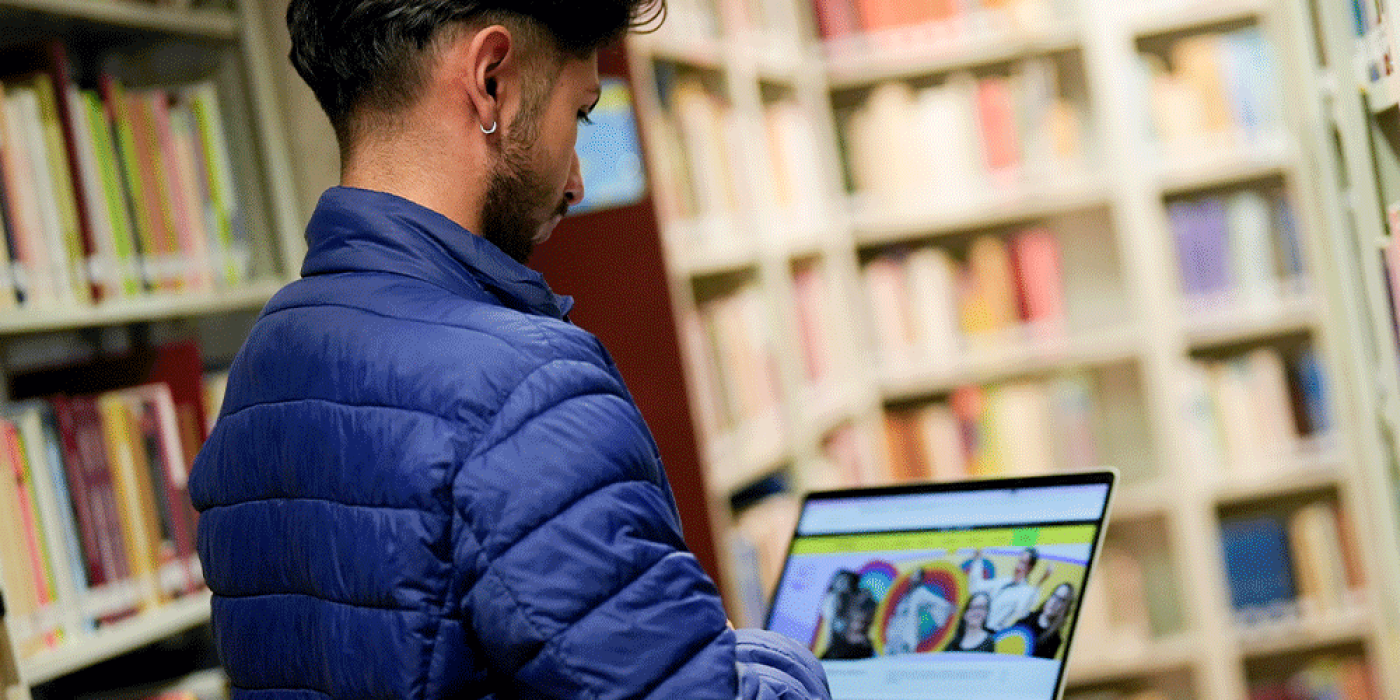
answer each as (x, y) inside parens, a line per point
(996, 112)
(1035, 256)
(836, 18)
(91, 488)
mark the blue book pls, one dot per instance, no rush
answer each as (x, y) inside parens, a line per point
(1287, 243)
(1258, 565)
(1213, 246)
(1182, 216)
(1312, 382)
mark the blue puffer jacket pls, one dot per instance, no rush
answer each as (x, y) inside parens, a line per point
(425, 483)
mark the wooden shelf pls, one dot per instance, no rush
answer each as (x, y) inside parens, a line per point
(717, 247)
(1233, 322)
(1148, 658)
(706, 53)
(1301, 471)
(151, 308)
(199, 23)
(881, 226)
(1206, 165)
(1197, 14)
(740, 456)
(1305, 633)
(1010, 360)
(116, 639)
(863, 60)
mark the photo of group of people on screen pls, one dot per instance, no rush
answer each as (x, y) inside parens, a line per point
(946, 605)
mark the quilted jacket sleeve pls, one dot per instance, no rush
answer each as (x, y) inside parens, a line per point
(576, 581)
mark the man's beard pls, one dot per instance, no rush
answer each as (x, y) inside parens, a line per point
(514, 196)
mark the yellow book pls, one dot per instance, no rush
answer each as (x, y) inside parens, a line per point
(133, 501)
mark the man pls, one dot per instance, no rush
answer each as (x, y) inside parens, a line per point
(424, 482)
(918, 603)
(1012, 596)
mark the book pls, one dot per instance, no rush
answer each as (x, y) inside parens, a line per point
(810, 305)
(140, 524)
(22, 600)
(1258, 567)
(173, 144)
(904, 449)
(988, 295)
(931, 276)
(1035, 259)
(39, 435)
(887, 294)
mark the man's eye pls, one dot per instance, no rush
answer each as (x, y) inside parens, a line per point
(583, 117)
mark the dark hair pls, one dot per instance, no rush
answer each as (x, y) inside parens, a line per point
(1034, 557)
(370, 52)
(961, 630)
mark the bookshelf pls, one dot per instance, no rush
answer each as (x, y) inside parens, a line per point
(214, 186)
(1195, 245)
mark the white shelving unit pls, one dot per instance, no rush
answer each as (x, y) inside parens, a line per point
(233, 35)
(1129, 185)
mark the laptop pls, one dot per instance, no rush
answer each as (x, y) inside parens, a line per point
(950, 591)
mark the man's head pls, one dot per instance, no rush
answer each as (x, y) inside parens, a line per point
(497, 85)
(1025, 563)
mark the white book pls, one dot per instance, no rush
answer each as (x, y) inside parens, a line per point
(53, 270)
(1021, 428)
(888, 295)
(1245, 455)
(932, 283)
(1204, 443)
(1252, 248)
(102, 265)
(1272, 403)
(942, 440)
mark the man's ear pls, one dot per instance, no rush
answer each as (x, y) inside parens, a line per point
(491, 74)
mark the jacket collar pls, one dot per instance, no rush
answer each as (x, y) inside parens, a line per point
(355, 230)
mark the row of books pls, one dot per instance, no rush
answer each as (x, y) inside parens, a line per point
(897, 24)
(1287, 565)
(929, 308)
(1213, 90)
(796, 167)
(736, 370)
(1018, 428)
(105, 528)
(1245, 415)
(699, 134)
(945, 145)
(95, 459)
(109, 193)
(1322, 678)
(1376, 42)
(1238, 250)
(702, 161)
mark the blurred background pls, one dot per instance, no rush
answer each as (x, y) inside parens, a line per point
(831, 243)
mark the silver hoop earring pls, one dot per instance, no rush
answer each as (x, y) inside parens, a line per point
(492, 130)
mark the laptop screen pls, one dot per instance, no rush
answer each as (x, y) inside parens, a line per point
(945, 591)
